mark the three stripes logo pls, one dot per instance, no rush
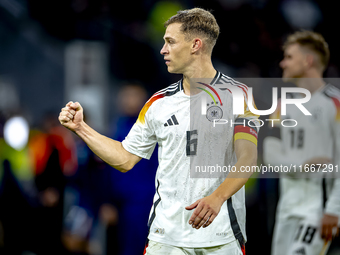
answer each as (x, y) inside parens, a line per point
(172, 121)
(300, 251)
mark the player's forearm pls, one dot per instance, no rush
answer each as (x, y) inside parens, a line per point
(109, 150)
(236, 180)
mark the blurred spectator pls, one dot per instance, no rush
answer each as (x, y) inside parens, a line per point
(54, 156)
(89, 211)
(135, 189)
(18, 195)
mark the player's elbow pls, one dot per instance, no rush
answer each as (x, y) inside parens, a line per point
(124, 168)
(126, 161)
(127, 167)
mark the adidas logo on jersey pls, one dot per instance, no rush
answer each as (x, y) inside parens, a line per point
(172, 121)
(300, 251)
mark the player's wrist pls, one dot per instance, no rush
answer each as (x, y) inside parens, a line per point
(221, 198)
(80, 128)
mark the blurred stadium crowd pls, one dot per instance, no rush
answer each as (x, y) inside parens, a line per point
(56, 197)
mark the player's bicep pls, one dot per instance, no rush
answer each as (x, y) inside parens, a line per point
(246, 150)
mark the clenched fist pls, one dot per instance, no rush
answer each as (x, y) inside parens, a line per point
(71, 116)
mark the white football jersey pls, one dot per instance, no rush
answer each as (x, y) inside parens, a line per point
(317, 135)
(184, 137)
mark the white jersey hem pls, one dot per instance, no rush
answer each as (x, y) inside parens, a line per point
(191, 244)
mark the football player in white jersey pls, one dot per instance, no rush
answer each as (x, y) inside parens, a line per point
(308, 211)
(189, 215)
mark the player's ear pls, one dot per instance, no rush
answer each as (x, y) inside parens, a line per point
(310, 60)
(196, 45)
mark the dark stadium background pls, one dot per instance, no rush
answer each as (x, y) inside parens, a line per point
(39, 73)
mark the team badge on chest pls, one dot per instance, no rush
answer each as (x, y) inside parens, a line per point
(214, 113)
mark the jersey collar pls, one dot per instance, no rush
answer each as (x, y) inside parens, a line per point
(217, 76)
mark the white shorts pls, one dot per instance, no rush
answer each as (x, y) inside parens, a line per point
(155, 248)
(296, 236)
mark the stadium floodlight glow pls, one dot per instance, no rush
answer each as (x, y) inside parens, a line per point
(16, 131)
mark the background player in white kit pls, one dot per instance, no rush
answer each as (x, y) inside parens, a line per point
(165, 119)
(309, 208)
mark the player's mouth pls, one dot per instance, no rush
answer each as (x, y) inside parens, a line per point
(167, 61)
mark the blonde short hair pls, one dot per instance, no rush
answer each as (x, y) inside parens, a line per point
(312, 41)
(197, 22)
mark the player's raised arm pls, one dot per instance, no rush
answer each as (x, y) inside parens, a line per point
(111, 151)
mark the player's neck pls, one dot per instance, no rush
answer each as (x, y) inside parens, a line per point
(199, 71)
(312, 81)
(311, 84)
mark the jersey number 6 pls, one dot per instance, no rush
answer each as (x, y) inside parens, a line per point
(191, 147)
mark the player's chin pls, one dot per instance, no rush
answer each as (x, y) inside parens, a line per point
(170, 69)
(174, 71)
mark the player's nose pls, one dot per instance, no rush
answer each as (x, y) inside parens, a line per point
(164, 50)
(283, 64)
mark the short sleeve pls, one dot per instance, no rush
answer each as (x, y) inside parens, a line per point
(141, 139)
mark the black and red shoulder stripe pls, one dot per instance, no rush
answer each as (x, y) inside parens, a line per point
(169, 91)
